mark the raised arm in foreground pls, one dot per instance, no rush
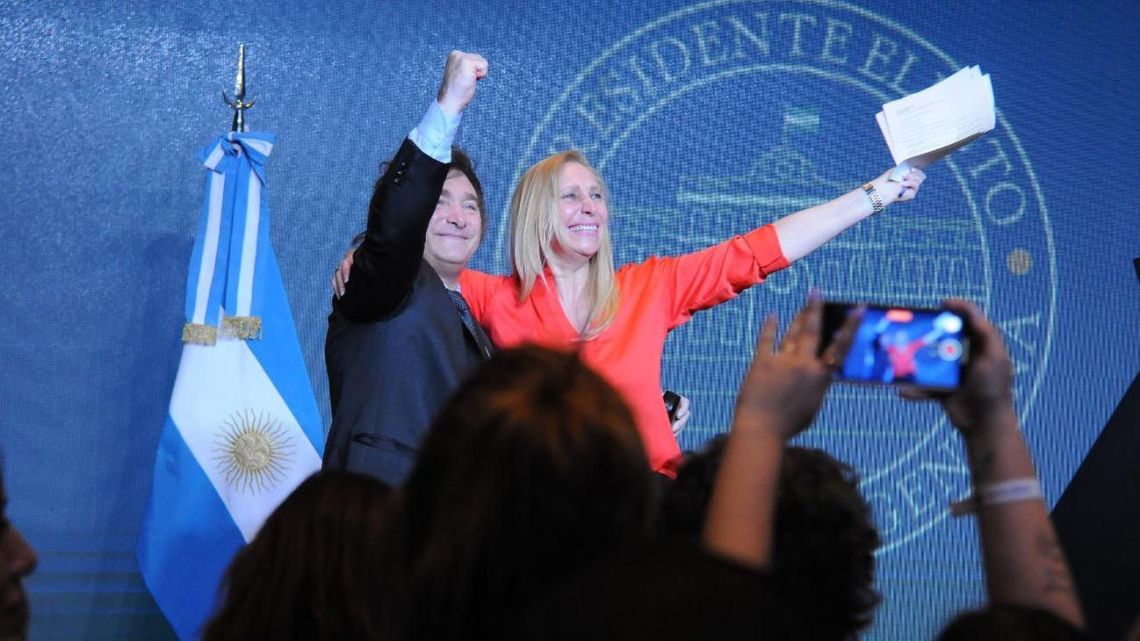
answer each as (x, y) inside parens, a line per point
(778, 399)
(1024, 564)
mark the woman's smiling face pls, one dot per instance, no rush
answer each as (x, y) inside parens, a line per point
(582, 212)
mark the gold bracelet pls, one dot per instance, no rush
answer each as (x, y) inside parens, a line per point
(876, 200)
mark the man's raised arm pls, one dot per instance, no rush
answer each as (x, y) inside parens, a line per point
(404, 198)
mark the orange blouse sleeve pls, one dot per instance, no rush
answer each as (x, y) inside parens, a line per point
(706, 278)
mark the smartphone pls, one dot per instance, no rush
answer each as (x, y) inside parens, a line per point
(910, 346)
(672, 404)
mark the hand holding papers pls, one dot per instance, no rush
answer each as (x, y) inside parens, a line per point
(923, 127)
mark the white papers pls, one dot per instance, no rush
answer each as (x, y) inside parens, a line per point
(924, 127)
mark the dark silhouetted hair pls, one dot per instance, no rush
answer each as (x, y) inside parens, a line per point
(823, 556)
(313, 570)
(1010, 623)
(531, 470)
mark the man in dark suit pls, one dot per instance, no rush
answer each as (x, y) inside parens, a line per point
(400, 336)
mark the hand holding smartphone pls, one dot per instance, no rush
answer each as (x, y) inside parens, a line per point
(905, 346)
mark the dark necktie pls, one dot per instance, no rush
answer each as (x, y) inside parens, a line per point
(473, 328)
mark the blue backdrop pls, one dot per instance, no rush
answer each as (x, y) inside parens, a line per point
(706, 118)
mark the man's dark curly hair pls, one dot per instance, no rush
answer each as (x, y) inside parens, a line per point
(823, 558)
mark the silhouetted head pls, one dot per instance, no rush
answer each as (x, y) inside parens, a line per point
(823, 559)
(531, 470)
(313, 570)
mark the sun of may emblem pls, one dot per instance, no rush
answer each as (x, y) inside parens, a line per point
(252, 451)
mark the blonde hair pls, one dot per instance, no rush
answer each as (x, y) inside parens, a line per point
(534, 227)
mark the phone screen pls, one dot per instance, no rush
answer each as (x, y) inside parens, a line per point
(916, 347)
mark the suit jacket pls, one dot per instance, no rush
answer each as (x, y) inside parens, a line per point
(395, 348)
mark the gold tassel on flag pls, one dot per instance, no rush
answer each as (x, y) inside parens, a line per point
(199, 334)
(243, 327)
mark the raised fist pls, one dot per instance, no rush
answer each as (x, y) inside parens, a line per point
(460, 74)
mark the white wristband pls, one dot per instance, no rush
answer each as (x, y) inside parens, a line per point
(1011, 491)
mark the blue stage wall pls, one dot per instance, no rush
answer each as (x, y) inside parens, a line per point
(704, 124)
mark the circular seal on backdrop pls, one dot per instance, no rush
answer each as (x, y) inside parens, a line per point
(723, 116)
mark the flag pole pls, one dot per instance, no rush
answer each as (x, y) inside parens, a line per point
(238, 103)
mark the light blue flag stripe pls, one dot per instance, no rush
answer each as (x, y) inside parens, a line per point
(204, 291)
(240, 197)
(195, 300)
(221, 157)
(279, 350)
(249, 217)
(187, 538)
(218, 281)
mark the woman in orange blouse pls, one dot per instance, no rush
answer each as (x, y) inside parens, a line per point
(564, 291)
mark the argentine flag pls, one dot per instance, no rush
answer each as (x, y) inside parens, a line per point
(243, 427)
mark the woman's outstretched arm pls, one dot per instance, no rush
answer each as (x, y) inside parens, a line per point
(803, 232)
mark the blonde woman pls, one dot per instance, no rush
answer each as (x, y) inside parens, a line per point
(565, 292)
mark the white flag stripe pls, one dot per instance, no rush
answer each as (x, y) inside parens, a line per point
(249, 248)
(215, 156)
(261, 146)
(209, 248)
(215, 384)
